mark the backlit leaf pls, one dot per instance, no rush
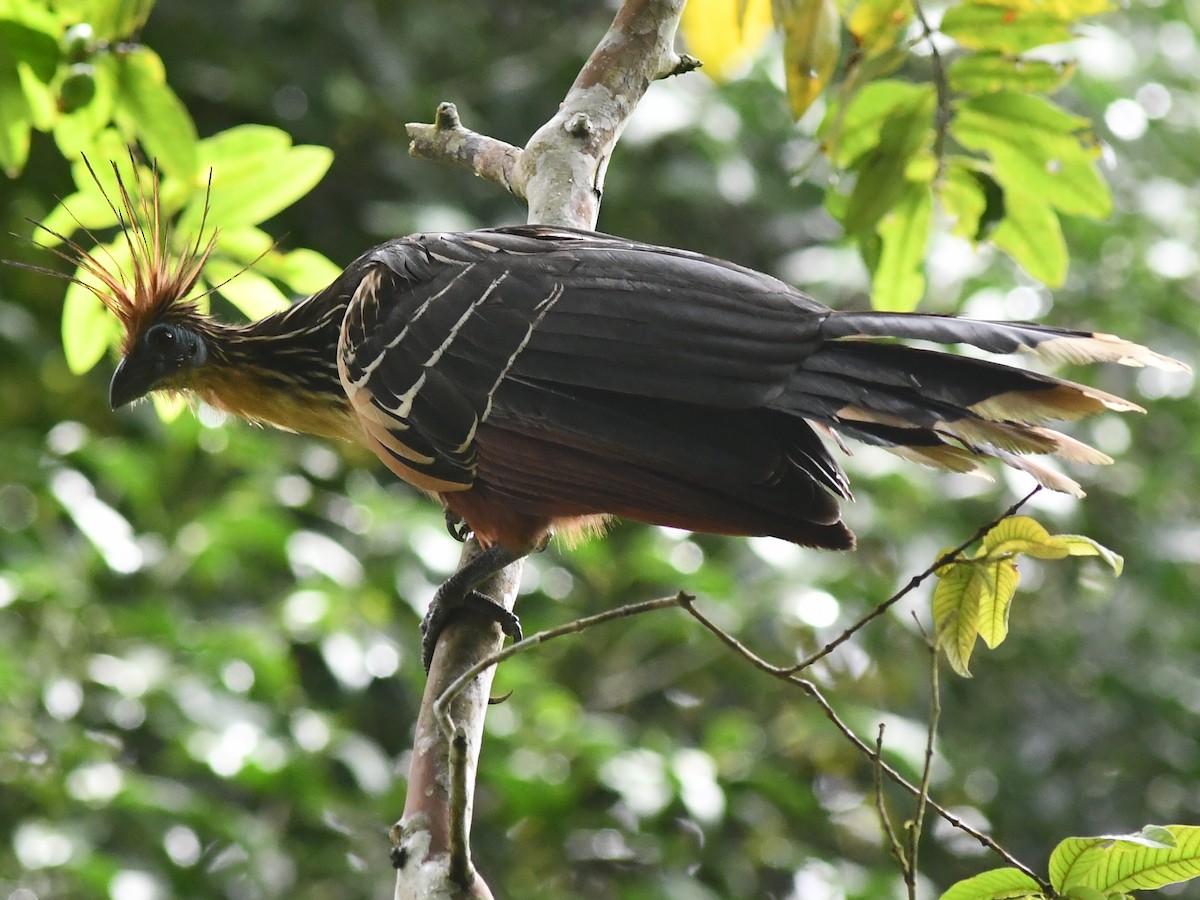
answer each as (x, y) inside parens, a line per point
(881, 171)
(725, 34)
(1022, 534)
(15, 120)
(256, 173)
(1081, 545)
(962, 198)
(956, 613)
(811, 40)
(852, 129)
(985, 73)
(1036, 147)
(1031, 234)
(898, 283)
(152, 111)
(878, 24)
(252, 293)
(997, 884)
(986, 27)
(88, 329)
(1002, 580)
(1115, 864)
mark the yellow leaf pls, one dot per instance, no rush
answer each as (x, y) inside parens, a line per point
(1001, 579)
(811, 40)
(956, 602)
(1021, 534)
(1081, 545)
(878, 24)
(725, 34)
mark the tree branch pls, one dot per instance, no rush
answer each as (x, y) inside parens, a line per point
(561, 173)
(561, 170)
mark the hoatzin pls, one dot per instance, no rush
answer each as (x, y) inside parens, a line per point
(537, 380)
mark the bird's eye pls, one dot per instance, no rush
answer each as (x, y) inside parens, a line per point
(161, 338)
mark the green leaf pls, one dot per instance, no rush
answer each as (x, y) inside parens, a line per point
(238, 159)
(1022, 534)
(250, 292)
(898, 282)
(987, 27)
(88, 329)
(850, 130)
(16, 120)
(811, 41)
(962, 198)
(997, 884)
(1123, 863)
(986, 73)
(881, 183)
(956, 613)
(151, 110)
(86, 128)
(21, 42)
(878, 24)
(1070, 862)
(1031, 234)
(87, 207)
(305, 271)
(1001, 579)
(1036, 148)
(110, 19)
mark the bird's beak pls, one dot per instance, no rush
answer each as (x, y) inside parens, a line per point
(129, 382)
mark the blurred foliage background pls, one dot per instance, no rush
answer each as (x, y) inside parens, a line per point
(210, 665)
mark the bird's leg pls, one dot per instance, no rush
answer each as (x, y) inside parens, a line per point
(458, 592)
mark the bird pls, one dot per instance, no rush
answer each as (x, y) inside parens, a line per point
(539, 380)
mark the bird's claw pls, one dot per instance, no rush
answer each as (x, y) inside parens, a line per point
(457, 526)
(445, 604)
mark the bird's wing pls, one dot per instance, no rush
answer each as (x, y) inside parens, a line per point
(441, 321)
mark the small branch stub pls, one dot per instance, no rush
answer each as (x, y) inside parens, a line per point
(448, 140)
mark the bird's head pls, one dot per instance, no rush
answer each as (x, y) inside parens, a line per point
(166, 338)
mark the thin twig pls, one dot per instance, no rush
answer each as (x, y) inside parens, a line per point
(913, 583)
(918, 822)
(941, 85)
(885, 820)
(811, 689)
(441, 707)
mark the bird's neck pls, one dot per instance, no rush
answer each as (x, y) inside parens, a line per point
(281, 370)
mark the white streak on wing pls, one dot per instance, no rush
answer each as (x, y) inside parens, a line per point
(404, 408)
(543, 307)
(370, 367)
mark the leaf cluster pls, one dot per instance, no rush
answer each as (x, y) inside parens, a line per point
(947, 126)
(76, 71)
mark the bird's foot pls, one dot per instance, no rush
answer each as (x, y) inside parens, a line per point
(458, 527)
(446, 603)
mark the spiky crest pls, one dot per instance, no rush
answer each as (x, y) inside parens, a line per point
(159, 284)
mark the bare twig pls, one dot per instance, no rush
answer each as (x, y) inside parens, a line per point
(443, 705)
(447, 140)
(810, 688)
(918, 821)
(913, 583)
(894, 845)
(941, 85)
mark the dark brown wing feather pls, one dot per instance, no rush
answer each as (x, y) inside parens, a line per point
(569, 373)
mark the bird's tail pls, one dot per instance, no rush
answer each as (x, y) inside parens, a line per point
(948, 411)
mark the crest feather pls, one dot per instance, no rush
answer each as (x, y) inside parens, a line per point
(156, 282)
